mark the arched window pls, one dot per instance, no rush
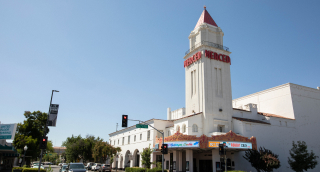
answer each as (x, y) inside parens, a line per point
(178, 128)
(183, 128)
(194, 128)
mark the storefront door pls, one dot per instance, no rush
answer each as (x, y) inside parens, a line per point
(205, 165)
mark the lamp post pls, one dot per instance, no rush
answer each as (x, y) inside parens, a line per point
(24, 156)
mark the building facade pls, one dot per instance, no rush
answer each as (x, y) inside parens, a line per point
(272, 118)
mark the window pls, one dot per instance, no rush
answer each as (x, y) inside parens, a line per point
(280, 122)
(193, 82)
(148, 135)
(122, 140)
(220, 129)
(134, 137)
(167, 165)
(140, 136)
(114, 142)
(128, 139)
(178, 128)
(118, 141)
(218, 82)
(194, 128)
(184, 128)
(169, 133)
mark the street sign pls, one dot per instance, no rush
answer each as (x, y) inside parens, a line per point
(53, 114)
(141, 126)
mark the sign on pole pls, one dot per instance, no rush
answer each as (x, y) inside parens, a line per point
(141, 126)
(7, 131)
(53, 115)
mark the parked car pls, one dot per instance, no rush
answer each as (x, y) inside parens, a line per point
(36, 165)
(89, 165)
(60, 164)
(96, 167)
(63, 168)
(105, 167)
(76, 167)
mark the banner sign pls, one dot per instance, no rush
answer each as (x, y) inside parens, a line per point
(184, 144)
(234, 145)
(53, 114)
(7, 131)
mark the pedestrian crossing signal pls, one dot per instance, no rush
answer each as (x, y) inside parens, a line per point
(221, 149)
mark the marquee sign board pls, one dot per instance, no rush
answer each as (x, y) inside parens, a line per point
(53, 115)
(183, 144)
(232, 145)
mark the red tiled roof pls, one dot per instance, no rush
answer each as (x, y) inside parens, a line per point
(273, 115)
(206, 18)
(250, 120)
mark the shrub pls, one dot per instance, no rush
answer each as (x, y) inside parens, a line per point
(17, 169)
(33, 170)
(135, 169)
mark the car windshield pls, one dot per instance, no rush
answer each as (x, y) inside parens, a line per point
(64, 167)
(76, 166)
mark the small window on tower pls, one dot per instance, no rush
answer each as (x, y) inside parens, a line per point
(191, 83)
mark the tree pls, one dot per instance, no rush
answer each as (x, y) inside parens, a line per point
(80, 148)
(145, 156)
(30, 132)
(301, 159)
(263, 160)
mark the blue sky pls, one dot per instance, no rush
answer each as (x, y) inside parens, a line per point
(109, 58)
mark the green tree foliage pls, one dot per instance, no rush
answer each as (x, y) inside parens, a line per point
(80, 148)
(263, 160)
(145, 156)
(30, 132)
(301, 159)
(102, 151)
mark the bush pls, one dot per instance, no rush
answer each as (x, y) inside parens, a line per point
(135, 169)
(17, 169)
(33, 170)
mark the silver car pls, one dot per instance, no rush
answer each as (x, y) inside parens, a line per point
(105, 167)
(63, 168)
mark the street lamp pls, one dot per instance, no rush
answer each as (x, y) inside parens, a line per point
(25, 149)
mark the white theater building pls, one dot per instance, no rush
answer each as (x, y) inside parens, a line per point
(272, 118)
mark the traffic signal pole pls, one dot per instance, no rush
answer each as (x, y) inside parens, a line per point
(162, 139)
(45, 129)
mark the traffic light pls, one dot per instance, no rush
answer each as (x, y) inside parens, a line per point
(43, 143)
(124, 120)
(221, 149)
(164, 148)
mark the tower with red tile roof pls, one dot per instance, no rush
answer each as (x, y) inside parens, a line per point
(207, 76)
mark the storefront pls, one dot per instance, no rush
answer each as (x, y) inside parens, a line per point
(191, 153)
(8, 156)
